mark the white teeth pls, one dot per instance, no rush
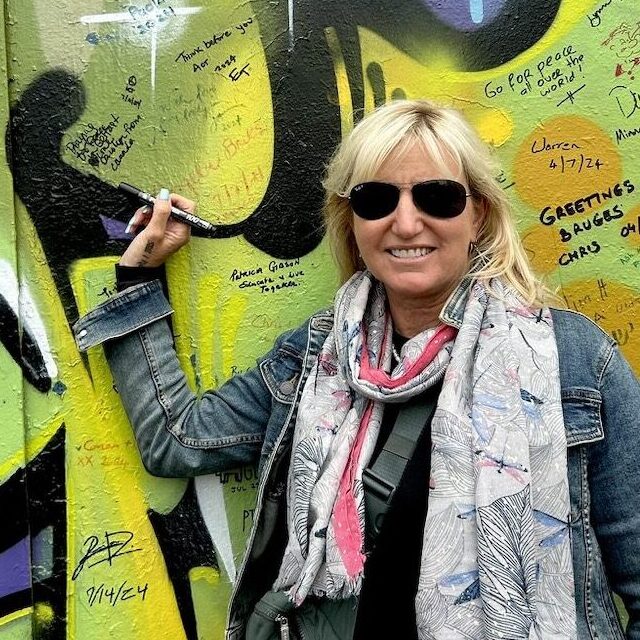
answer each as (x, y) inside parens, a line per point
(410, 253)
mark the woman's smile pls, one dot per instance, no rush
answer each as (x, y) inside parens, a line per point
(410, 253)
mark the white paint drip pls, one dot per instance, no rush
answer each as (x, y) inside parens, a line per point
(106, 17)
(477, 10)
(290, 7)
(154, 48)
(22, 304)
(33, 322)
(127, 17)
(211, 501)
(9, 286)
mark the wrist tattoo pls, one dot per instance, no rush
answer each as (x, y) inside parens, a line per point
(146, 254)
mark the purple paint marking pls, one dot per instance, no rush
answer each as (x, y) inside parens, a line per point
(466, 16)
(15, 568)
(114, 228)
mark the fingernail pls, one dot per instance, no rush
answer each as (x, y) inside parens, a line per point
(130, 225)
(164, 194)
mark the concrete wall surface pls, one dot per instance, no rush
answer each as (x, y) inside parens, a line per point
(238, 105)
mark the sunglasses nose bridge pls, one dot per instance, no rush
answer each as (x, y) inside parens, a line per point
(408, 220)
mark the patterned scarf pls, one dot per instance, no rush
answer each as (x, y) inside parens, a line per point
(496, 555)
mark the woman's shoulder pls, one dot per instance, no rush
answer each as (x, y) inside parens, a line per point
(584, 349)
(313, 331)
(574, 326)
(291, 350)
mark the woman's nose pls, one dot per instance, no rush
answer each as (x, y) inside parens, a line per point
(408, 220)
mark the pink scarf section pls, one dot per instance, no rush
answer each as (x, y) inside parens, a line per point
(349, 536)
(334, 440)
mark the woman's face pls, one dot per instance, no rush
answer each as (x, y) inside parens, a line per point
(420, 259)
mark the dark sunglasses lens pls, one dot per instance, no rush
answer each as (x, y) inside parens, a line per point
(374, 200)
(440, 198)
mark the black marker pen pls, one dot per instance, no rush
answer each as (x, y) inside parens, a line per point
(178, 214)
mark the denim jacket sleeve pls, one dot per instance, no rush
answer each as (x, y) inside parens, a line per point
(178, 434)
(601, 404)
(614, 476)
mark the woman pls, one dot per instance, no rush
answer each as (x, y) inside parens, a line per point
(513, 506)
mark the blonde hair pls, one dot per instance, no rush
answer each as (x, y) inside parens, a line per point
(444, 134)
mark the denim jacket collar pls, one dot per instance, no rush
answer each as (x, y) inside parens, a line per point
(453, 310)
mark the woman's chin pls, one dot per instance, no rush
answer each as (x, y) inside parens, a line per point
(416, 287)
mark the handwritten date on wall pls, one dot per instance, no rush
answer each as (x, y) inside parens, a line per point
(112, 594)
(148, 17)
(105, 549)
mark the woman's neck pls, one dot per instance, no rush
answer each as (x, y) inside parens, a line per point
(411, 317)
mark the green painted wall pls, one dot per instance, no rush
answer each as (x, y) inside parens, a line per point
(238, 105)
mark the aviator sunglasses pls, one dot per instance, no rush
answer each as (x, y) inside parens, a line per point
(437, 198)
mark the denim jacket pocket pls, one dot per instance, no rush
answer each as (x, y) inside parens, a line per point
(281, 374)
(582, 417)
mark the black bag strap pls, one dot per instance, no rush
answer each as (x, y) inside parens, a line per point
(382, 478)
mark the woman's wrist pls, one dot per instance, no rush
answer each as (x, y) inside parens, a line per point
(128, 276)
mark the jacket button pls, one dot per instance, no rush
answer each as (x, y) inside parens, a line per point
(286, 387)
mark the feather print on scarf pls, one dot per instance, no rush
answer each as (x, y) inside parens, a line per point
(496, 555)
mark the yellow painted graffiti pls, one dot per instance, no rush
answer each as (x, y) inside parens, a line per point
(237, 106)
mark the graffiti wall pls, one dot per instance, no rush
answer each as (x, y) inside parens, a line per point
(238, 105)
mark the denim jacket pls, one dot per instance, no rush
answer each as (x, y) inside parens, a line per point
(251, 418)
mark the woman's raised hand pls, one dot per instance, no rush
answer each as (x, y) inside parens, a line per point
(161, 235)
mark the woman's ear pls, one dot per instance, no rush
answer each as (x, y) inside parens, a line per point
(481, 213)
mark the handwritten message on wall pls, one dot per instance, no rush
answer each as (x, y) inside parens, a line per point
(238, 106)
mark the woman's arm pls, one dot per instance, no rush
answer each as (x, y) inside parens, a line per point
(177, 433)
(614, 475)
